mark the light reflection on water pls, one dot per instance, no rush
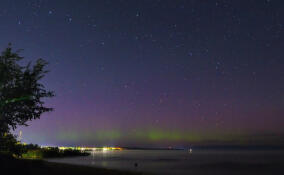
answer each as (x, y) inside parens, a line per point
(171, 161)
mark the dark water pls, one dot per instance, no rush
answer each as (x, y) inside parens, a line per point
(184, 162)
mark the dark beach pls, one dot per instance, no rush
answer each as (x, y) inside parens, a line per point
(41, 167)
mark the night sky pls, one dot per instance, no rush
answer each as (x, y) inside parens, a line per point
(154, 73)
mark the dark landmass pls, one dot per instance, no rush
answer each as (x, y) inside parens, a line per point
(141, 148)
(40, 167)
(42, 153)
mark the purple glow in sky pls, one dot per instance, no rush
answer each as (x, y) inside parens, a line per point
(154, 73)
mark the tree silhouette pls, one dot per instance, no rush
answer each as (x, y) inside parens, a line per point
(21, 93)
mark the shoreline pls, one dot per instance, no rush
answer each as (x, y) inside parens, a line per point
(43, 167)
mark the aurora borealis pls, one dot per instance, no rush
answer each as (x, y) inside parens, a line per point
(154, 73)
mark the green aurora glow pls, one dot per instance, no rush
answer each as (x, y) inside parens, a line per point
(158, 136)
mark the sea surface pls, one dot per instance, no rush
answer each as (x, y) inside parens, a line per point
(185, 162)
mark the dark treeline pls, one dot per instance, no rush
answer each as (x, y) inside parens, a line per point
(34, 151)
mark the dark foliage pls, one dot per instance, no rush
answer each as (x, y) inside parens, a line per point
(10, 145)
(21, 93)
(32, 146)
(55, 152)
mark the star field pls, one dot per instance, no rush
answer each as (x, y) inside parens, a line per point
(181, 72)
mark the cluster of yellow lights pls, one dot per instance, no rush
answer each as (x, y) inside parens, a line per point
(111, 148)
(90, 148)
